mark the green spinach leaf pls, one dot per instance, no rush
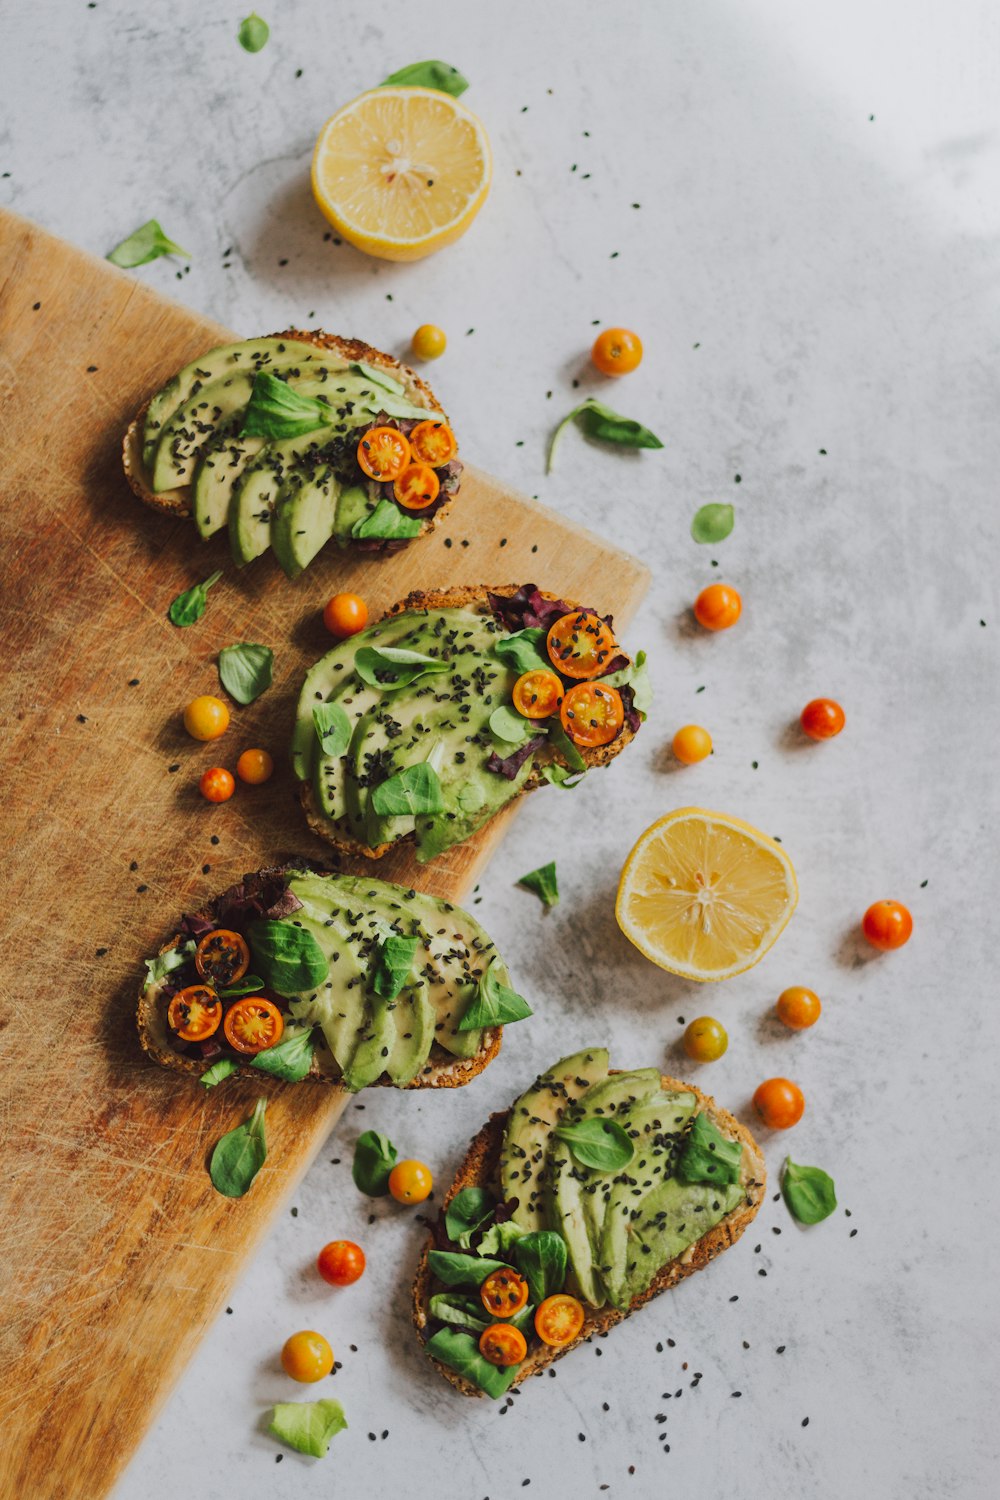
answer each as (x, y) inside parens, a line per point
(387, 523)
(146, 243)
(392, 667)
(463, 1270)
(524, 650)
(276, 410)
(707, 1155)
(289, 957)
(393, 964)
(429, 75)
(543, 882)
(248, 985)
(290, 1060)
(164, 963)
(374, 1158)
(224, 1068)
(189, 607)
(245, 670)
(414, 789)
(498, 1239)
(252, 37)
(601, 1144)
(333, 728)
(239, 1156)
(541, 1259)
(308, 1426)
(511, 727)
(713, 523)
(460, 1352)
(560, 740)
(468, 1211)
(809, 1192)
(493, 1004)
(461, 1312)
(599, 421)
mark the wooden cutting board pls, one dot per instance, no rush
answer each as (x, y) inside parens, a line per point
(116, 1252)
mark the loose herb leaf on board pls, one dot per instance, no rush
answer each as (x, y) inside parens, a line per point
(713, 523)
(239, 1156)
(543, 882)
(245, 670)
(146, 243)
(189, 606)
(253, 33)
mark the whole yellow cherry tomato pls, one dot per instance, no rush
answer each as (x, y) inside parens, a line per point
(616, 351)
(307, 1356)
(429, 341)
(410, 1182)
(705, 1039)
(205, 718)
(255, 767)
(691, 744)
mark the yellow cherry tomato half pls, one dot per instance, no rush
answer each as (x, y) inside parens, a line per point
(718, 607)
(537, 695)
(417, 487)
(779, 1102)
(307, 1356)
(195, 1013)
(255, 767)
(504, 1293)
(433, 443)
(383, 453)
(798, 1008)
(558, 1320)
(410, 1182)
(217, 784)
(503, 1344)
(887, 925)
(705, 1039)
(581, 644)
(345, 614)
(617, 351)
(205, 718)
(691, 744)
(592, 714)
(429, 341)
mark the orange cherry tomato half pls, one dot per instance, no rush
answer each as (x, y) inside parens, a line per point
(780, 1103)
(503, 1344)
(504, 1293)
(307, 1356)
(581, 644)
(410, 1181)
(345, 614)
(822, 719)
(616, 351)
(433, 443)
(887, 925)
(253, 1024)
(195, 1013)
(718, 607)
(383, 453)
(537, 695)
(222, 957)
(255, 767)
(798, 1008)
(558, 1320)
(217, 784)
(417, 487)
(592, 714)
(341, 1262)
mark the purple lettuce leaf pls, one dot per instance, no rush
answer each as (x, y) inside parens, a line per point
(508, 766)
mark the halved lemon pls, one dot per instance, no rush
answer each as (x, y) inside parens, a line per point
(705, 895)
(401, 172)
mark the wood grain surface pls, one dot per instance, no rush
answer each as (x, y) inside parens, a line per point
(116, 1252)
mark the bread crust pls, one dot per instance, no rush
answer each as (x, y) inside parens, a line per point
(178, 502)
(480, 1168)
(460, 596)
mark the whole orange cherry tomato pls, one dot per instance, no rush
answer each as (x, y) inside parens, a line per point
(718, 607)
(616, 351)
(307, 1356)
(433, 443)
(383, 453)
(779, 1102)
(255, 767)
(537, 695)
(217, 784)
(691, 744)
(581, 644)
(410, 1182)
(194, 1013)
(798, 1008)
(558, 1320)
(417, 487)
(222, 957)
(345, 614)
(429, 341)
(205, 718)
(822, 719)
(341, 1262)
(503, 1344)
(887, 925)
(253, 1024)
(504, 1293)
(705, 1039)
(592, 714)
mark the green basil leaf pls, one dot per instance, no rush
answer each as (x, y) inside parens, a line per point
(541, 1259)
(713, 523)
(415, 789)
(599, 421)
(146, 243)
(463, 1270)
(290, 1060)
(494, 1004)
(707, 1155)
(468, 1211)
(560, 740)
(190, 606)
(248, 985)
(245, 670)
(393, 964)
(498, 1240)
(387, 523)
(276, 410)
(562, 776)
(543, 882)
(164, 963)
(511, 727)
(308, 1426)
(333, 728)
(374, 1158)
(252, 37)
(429, 75)
(461, 1312)
(239, 1156)
(460, 1352)
(809, 1192)
(289, 957)
(392, 667)
(601, 1144)
(636, 676)
(219, 1071)
(524, 650)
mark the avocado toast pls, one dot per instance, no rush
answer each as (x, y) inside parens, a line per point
(426, 724)
(301, 974)
(272, 439)
(574, 1248)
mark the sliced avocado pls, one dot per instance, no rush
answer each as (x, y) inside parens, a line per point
(531, 1119)
(223, 460)
(353, 504)
(303, 520)
(255, 494)
(329, 678)
(671, 1218)
(340, 1006)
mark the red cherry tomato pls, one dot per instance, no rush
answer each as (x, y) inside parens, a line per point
(345, 615)
(887, 925)
(822, 719)
(341, 1262)
(217, 784)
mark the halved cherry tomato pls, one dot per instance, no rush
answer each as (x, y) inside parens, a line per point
(195, 1013)
(341, 1262)
(718, 607)
(503, 1344)
(822, 719)
(504, 1293)
(417, 487)
(558, 1320)
(217, 784)
(253, 1024)
(537, 695)
(779, 1102)
(222, 957)
(616, 351)
(581, 644)
(383, 453)
(592, 714)
(433, 443)
(887, 925)
(345, 614)
(410, 1181)
(798, 1008)
(307, 1356)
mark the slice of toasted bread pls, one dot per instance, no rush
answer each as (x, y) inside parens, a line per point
(481, 1169)
(460, 596)
(178, 502)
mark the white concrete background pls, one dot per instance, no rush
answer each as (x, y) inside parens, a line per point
(805, 277)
